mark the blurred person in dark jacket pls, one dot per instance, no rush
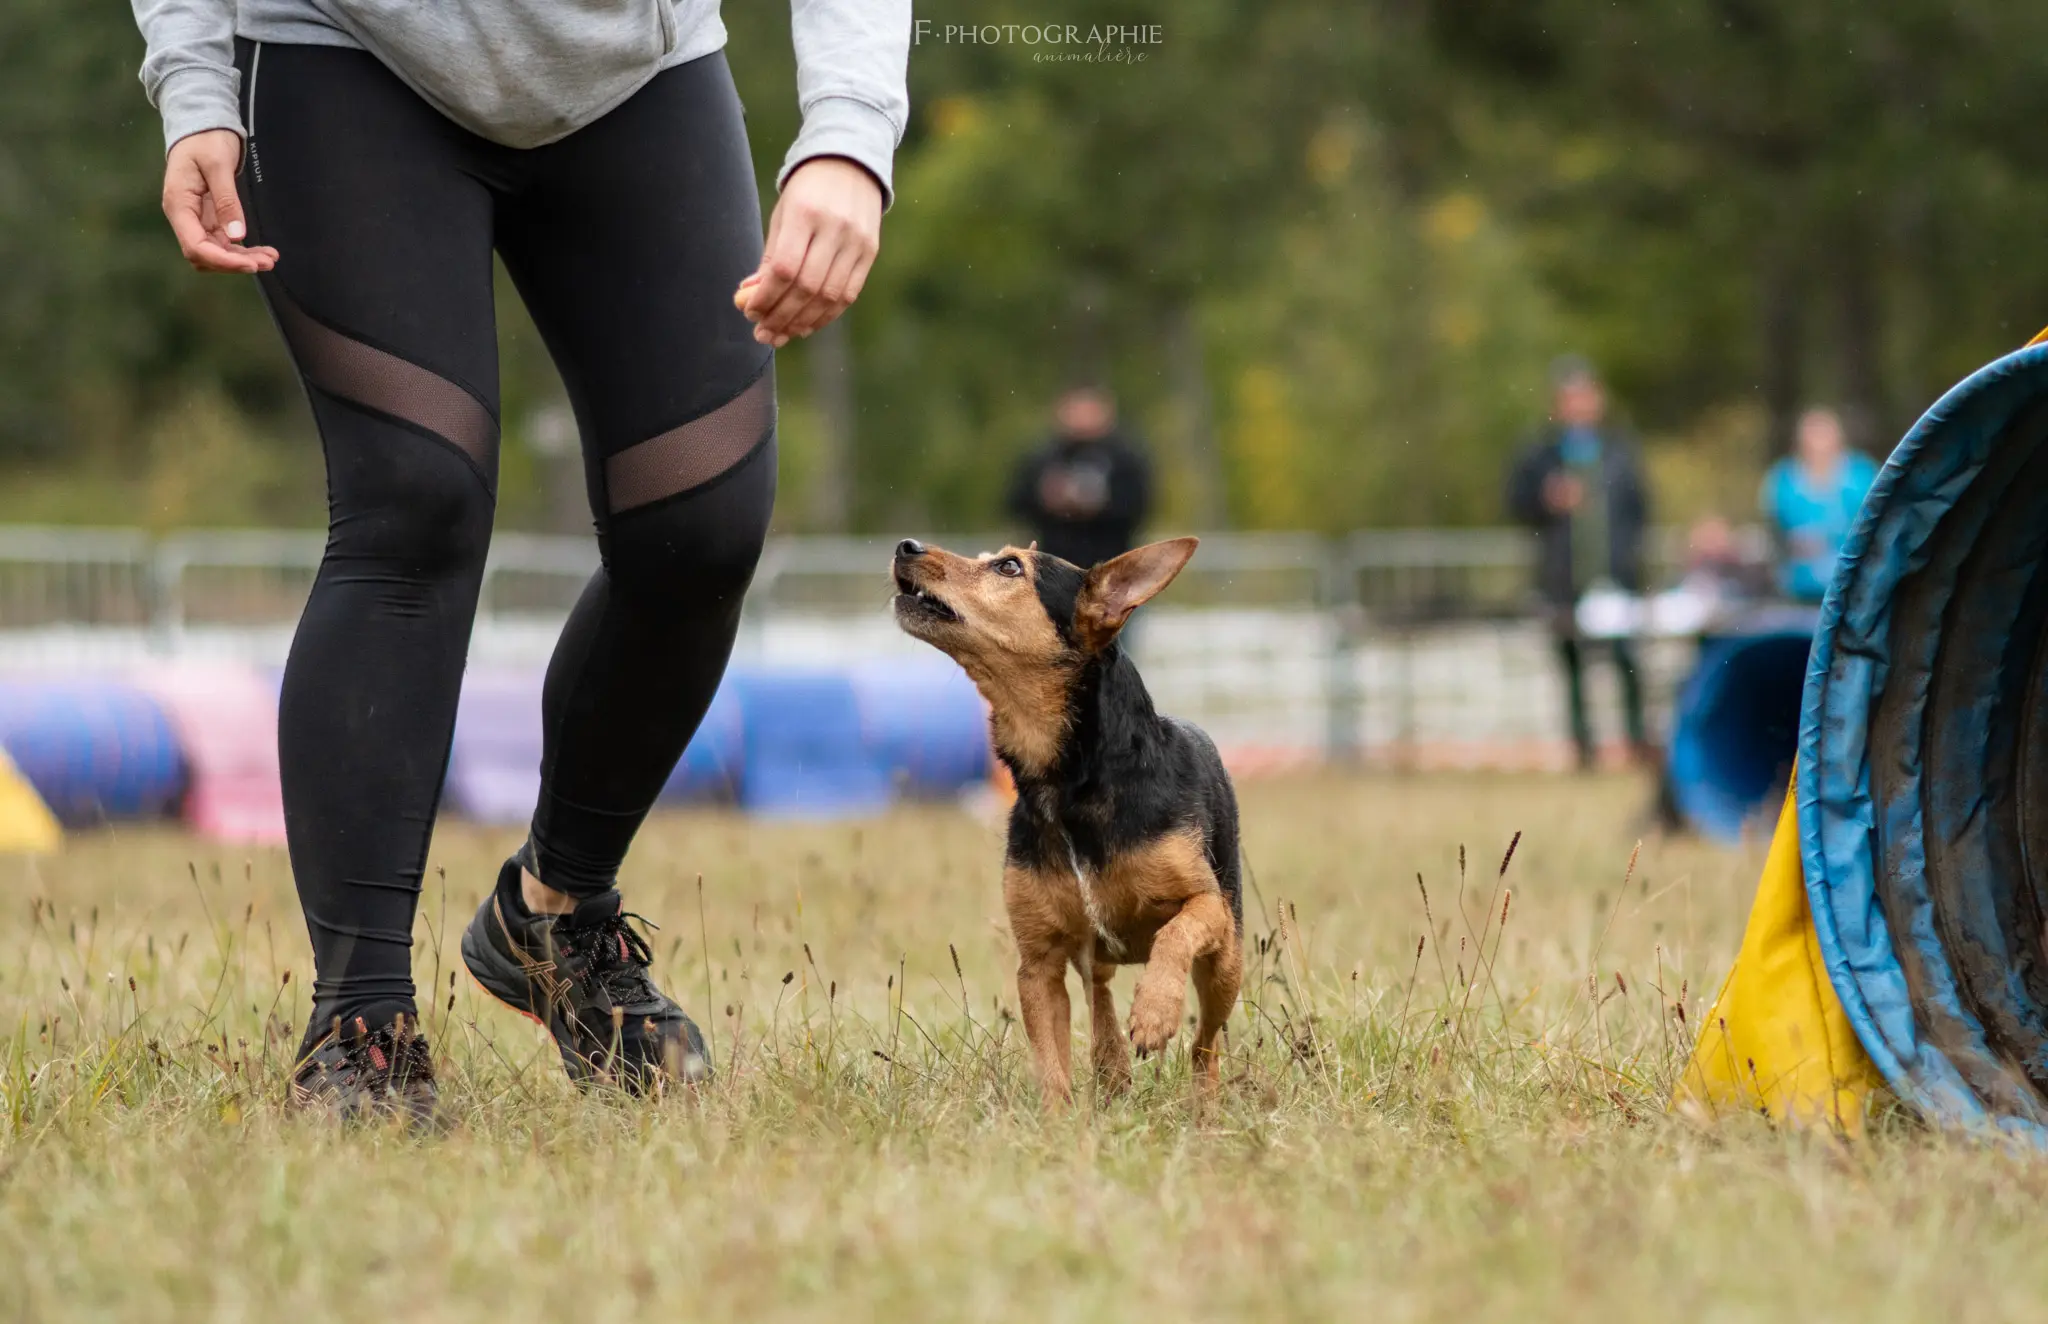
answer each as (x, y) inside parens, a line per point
(1084, 493)
(1578, 485)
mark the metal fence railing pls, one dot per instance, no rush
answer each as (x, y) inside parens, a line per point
(76, 577)
(84, 576)
(1412, 645)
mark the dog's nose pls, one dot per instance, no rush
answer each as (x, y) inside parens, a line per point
(909, 547)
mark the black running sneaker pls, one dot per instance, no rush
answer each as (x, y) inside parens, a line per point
(584, 976)
(368, 1075)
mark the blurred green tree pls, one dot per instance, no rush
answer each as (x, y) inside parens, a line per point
(102, 324)
(1783, 202)
(1322, 252)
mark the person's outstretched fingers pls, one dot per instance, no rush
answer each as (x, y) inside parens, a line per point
(805, 307)
(227, 203)
(835, 292)
(230, 227)
(781, 260)
(829, 207)
(203, 207)
(184, 196)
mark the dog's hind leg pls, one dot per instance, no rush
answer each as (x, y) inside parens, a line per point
(1112, 1056)
(1218, 975)
(1202, 927)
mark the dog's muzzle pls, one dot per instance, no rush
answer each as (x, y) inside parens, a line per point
(915, 602)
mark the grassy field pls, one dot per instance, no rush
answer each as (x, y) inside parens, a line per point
(1474, 1130)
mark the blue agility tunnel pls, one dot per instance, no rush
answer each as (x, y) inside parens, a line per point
(1922, 784)
(925, 723)
(710, 766)
(93, 750)
(495, 756)
(803, 753)
(1735, 724)
(826, 744)
(820, 743)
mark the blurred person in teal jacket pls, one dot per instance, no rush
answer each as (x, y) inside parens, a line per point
(1811, 499)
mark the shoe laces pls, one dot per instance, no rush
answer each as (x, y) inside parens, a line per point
(392, 1055)
(617, 956)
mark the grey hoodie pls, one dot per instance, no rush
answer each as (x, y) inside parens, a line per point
(526, 72)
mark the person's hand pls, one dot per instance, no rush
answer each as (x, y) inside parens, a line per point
(1562, 493)
(1059, 494)
(202, 207)
(822, 239)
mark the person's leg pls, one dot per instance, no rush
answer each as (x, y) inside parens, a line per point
(1631, 697)
(1573, 664)
(627, 251)
(627, 246)
(383, 293)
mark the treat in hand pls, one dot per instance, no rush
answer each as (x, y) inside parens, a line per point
(744, 295)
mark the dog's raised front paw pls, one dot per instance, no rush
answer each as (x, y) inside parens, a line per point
(1154, 1018)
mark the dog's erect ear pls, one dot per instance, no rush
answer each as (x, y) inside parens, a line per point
(1118, 587)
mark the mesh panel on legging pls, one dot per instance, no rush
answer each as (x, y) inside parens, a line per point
(368, 703)
(365, 375)
(659, 619)
(689, 456)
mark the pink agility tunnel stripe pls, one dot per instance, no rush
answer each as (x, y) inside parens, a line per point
(225, 716)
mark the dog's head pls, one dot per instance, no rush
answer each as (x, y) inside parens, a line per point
(1023, 624)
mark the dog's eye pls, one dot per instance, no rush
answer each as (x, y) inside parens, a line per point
(1009, 567)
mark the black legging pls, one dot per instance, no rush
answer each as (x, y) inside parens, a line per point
(626, 240)
(1570, 654)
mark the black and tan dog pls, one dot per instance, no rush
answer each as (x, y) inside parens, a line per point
(1123, 843)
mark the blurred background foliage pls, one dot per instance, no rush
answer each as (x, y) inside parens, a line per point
(1322, 251)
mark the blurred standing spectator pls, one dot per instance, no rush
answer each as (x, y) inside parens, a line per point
(1577, 485)
(1811, 499)
(1085, 492)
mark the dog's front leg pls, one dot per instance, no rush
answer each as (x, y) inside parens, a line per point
(1202, 925)
(1048, 1021)
(1217, 978)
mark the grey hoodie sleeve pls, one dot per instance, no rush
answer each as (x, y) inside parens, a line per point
(189, 72)
(852, 58)
(852, 61)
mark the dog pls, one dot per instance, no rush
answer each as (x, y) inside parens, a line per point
(1123, 843)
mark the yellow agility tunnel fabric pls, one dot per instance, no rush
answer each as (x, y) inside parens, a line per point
(1777, 1040)
(1897, 931)
(26, 824)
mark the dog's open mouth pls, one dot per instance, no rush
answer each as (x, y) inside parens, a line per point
(915, 601)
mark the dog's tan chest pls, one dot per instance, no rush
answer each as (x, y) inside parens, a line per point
(1123, 906)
